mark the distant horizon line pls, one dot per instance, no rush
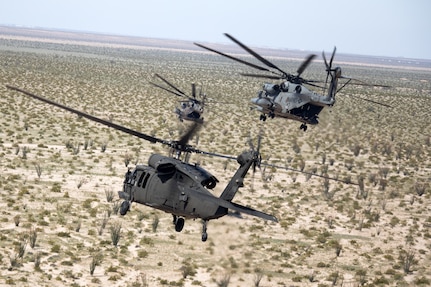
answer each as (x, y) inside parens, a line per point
(74, 31)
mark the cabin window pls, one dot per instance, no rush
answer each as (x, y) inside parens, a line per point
(141, 178)
(145, 180)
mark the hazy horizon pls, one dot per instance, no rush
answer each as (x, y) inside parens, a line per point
(388, 28)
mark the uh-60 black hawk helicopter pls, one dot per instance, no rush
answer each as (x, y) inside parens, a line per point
(291, 99)
(191, 108)
(176, 186)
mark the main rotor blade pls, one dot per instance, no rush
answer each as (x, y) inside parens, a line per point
(374, 102)
(326, 62)
(256, 55)
(171, 85)
(305, 172)
(218, 155)
(262, 76)
(189, 134)
(332, 57)
(166, 89)
(193, 90)
(362, 83)
(90, 117)
(314, 85)
(235, 59)
(305, 64)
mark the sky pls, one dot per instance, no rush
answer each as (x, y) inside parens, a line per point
(394, 28)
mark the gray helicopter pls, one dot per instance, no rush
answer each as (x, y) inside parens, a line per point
(175, 186)
(292, 99)
(191, 108)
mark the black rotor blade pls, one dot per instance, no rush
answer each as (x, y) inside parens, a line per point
(326, 62)
(256, 55)
(193, 90)
(305, 64)
(305, 172)
(90, 117)
(171, 85)
(374, 102)
(262, 76)
(170, 91)
(332, 57)
(328, 69)
(218, 155)
(189, 134)
(314, 85)
(235, 59)
(357, 82)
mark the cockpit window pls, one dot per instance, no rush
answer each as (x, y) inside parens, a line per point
(141, 178)
(145, 180)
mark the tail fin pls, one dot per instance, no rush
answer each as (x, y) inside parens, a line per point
(246, 160)
(335, 75)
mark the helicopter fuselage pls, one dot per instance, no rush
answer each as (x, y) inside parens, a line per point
(292, 101)
(190, 111)
(173, 186)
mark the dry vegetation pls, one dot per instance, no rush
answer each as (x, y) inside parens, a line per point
(60, 175)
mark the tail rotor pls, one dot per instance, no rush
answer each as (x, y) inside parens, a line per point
(329, 66)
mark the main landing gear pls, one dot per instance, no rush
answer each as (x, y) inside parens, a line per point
(125, 207)
(179, 224)
(271, 115)
(204, 230)
(303, 127)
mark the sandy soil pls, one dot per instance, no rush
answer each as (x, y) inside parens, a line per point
(67, 204)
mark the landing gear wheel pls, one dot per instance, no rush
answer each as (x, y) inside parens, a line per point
(271, 115)
(263, 117)
(204, 231)
(204, 237)
(125, 207)
(179, 224)
(303, 127)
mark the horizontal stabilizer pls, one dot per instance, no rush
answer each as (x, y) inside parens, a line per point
(251, 211)
(235, 206)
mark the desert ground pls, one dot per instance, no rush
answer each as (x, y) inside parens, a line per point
(60, 174)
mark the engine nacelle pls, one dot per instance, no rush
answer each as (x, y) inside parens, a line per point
(163, 165)
(271, 89)
(207, 180)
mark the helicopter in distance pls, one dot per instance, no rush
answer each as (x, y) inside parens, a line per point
(292, 99)
(173, 185)
(191, 108)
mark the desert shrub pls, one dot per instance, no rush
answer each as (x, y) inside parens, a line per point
(32, 237)
(109, 193)
(422, 281)
(56, 187)
(142, 253)
(96, 260)
(155, 223)
(115, 233)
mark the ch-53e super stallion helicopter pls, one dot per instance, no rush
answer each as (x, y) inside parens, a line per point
(291, 99)
(191, 108)
(175, 186)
